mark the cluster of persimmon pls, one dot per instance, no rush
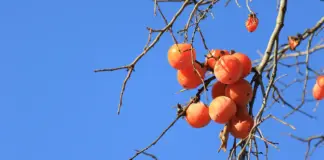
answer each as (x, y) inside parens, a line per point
(230, 94)
(318, 89)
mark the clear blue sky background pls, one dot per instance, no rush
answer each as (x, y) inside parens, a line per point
(54, 107)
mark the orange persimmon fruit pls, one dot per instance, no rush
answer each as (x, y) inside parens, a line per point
(228, 69)
(181, 56)
(252, 22)
(241, 125)
(246, 63)
(293, 42)
(222, 109)
(197, 115)
(213, 56)
(218, 89)
(241, 110)
(318, 92)
(320, 81)
(189, 78)
(240, 92)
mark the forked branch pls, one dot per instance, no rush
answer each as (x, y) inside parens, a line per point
(309, 140)
(181, 113)
(147, 48)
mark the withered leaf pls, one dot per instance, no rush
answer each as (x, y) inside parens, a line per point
(223, 135)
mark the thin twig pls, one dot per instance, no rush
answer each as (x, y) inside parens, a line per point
(288, 104)
(166, 22)
(306, 78)
(268, 142)
(180, 114)
(256, 149)
(283, 122)
(237, 3)
(248, 7)
(265, 143)
(273, 43)
(131, 66)
(297, 54)
(309, 141)
(148, 154)
(189, 20)
(279, 25)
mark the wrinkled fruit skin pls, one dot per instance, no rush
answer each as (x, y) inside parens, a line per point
(240, 92)
(318, 92)
(218, 89)
(222, 109)
(293, 42)
(197, 115)
(246, 63)
(188, 78)
(228, 69)
(181, 60)
(240, 126)
(213, 56)
(252, 23)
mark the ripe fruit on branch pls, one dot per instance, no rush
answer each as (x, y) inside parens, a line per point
(246, 63)
(320, 81)
(218, 89)
(318, 92)
(181, 56)
(293, 42)
(213, 56)
(240, 92)
(197, 115)
(222, 109)
(252, 22)
(241, 111)
(240, 126)
(189, 78)
(228, 69)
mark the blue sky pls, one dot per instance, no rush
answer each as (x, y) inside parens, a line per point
(54, 107)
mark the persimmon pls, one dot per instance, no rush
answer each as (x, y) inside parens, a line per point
(189, 78)
(246, 63)
(181, 56)
(197, 115)
(320, 81)
(318, 92)
(241, 110)
(240, 126)
(252, 22)
(194, 68)
(293, 42)
(240, 92)
(222, 109)
(228, 69)
(213, 56)
(218, 89)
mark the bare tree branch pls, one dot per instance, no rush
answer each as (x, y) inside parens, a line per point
(181, 113)
(309, 140)
(148, 154)
(272, 58)
(279, 25)
(314, 49)
(272, 44)
(147, 48)
(306, 78)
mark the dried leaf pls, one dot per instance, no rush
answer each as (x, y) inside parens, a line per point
(223, 135)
